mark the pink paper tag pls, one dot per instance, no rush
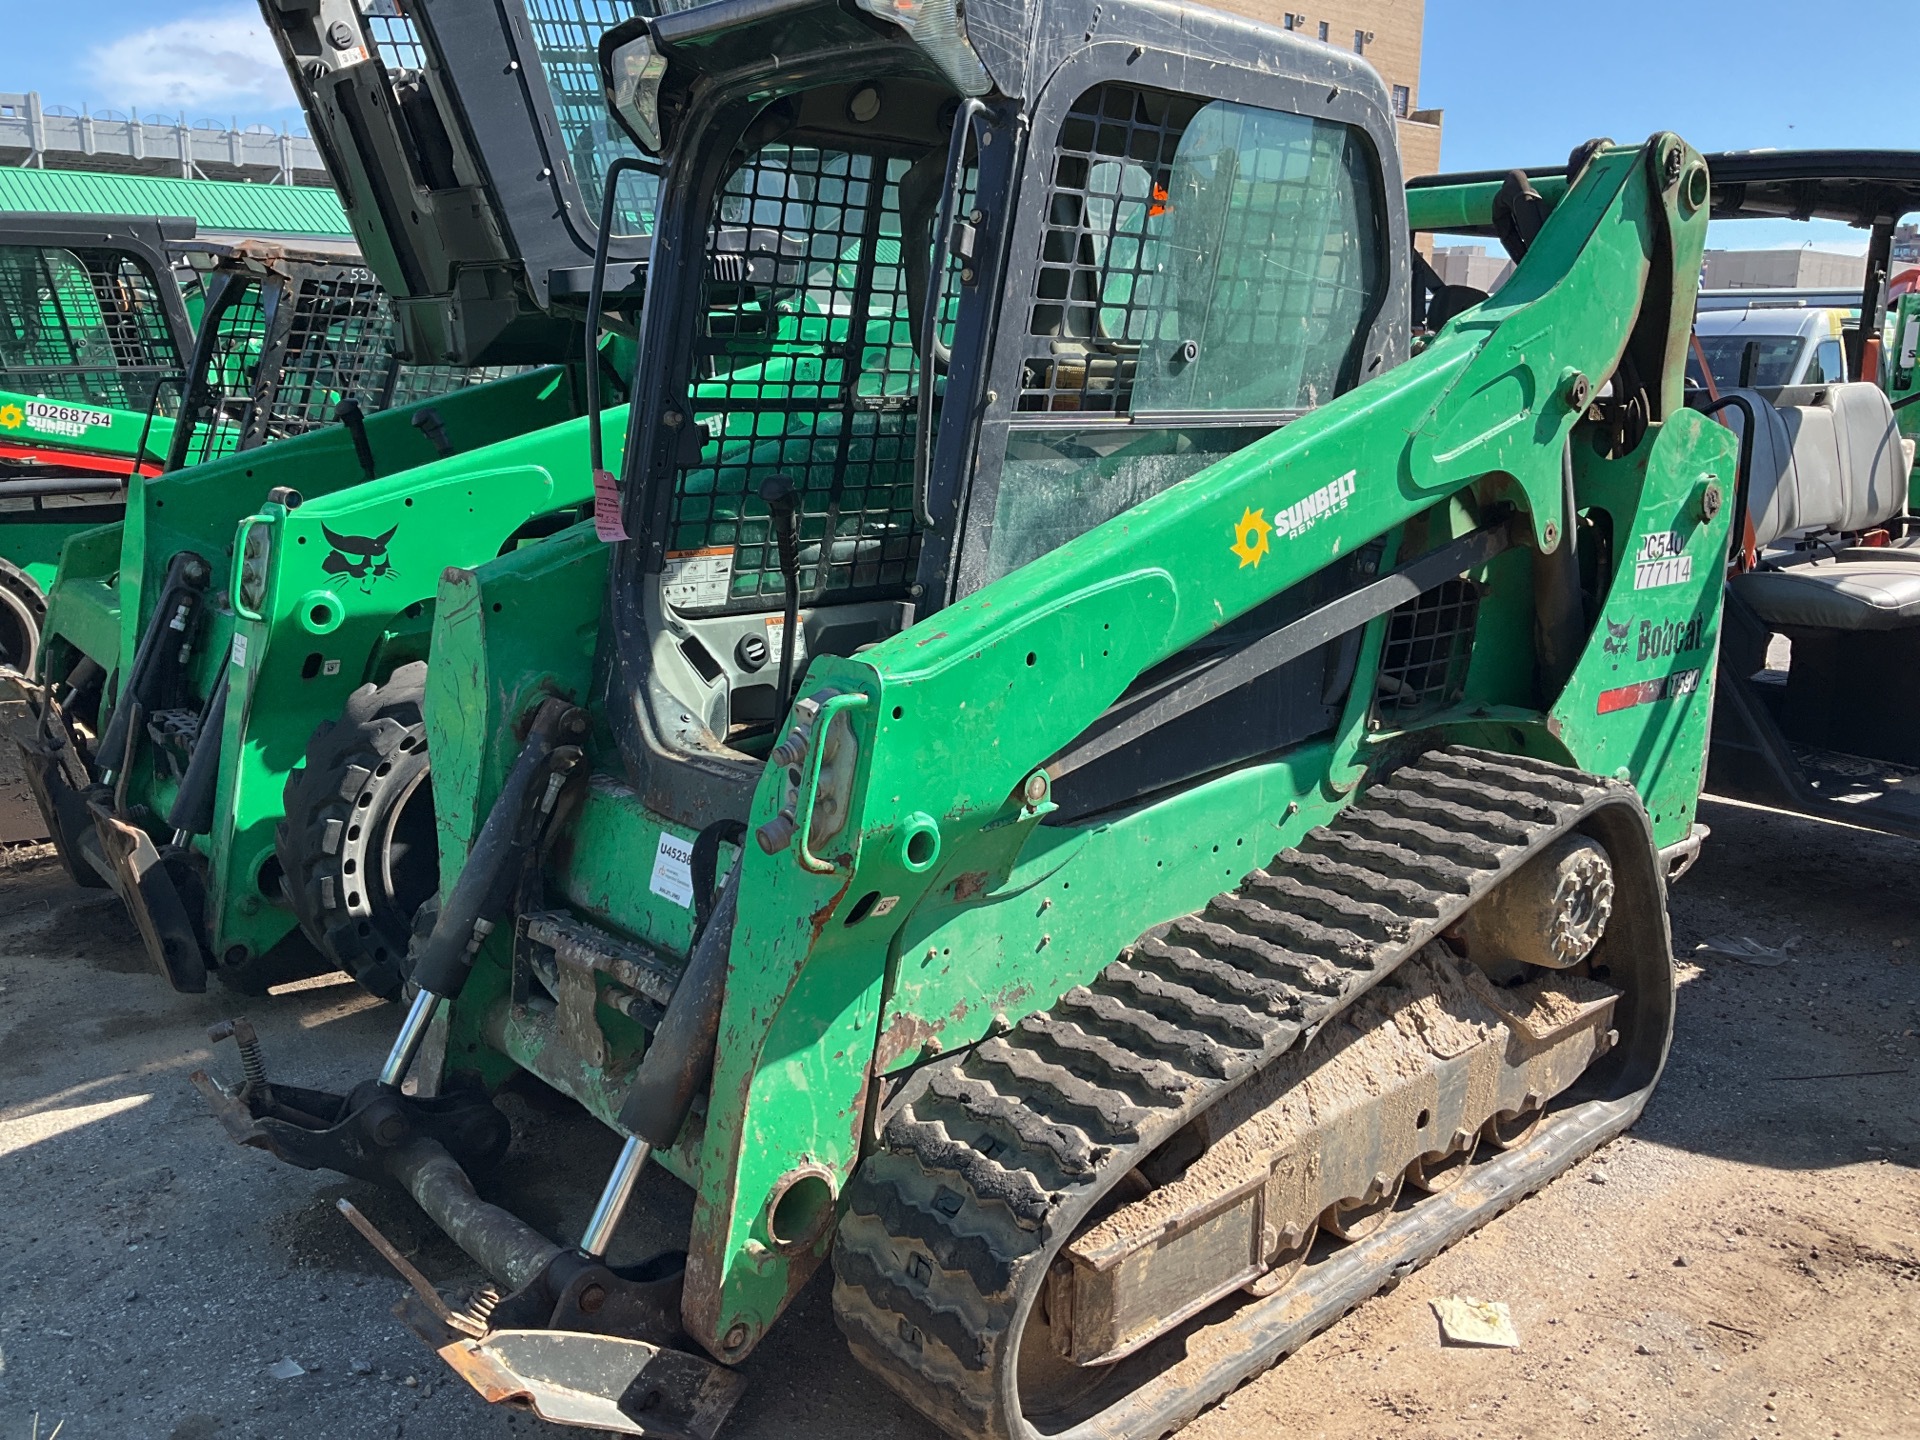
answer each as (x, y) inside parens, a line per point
(606, 507)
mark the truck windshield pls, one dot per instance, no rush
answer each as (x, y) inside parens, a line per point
(1740, 361)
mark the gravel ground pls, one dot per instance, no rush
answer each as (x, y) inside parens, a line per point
(1744, 1264)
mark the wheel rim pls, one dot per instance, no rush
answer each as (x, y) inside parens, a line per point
(410, 849)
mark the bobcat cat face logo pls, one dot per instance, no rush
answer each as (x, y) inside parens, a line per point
(359, 557)
(1616, 642)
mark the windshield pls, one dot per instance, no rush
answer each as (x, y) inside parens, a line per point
(566, 36)
(1748, 361)
(1212, 264)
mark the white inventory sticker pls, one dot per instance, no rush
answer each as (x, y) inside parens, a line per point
(695, 579)
(71, 421)
(1661, 561)
(239, 648)
(673, 870)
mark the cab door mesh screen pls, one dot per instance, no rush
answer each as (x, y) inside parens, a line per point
(811, 373)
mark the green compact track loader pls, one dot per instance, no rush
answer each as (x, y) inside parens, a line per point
(1093, 791)
(227, 726)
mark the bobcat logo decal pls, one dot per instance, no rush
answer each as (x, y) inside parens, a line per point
(359, 557)
(1616, 642)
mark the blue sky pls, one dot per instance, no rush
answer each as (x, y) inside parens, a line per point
(1521, 81)
(1524, 81)
(210, 58)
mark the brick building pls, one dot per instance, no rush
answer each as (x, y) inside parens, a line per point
(1388, 34)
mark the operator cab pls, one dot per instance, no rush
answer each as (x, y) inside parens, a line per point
(90, 314)
(963, 328)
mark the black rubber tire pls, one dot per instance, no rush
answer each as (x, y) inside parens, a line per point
(357, 844)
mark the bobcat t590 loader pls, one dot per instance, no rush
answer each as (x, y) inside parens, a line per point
(1095, 795)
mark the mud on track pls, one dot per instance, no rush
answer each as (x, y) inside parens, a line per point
(150, 1273)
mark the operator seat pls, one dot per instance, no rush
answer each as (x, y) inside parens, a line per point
(1831, 458)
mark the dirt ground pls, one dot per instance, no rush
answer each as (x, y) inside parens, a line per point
(1745, 1263)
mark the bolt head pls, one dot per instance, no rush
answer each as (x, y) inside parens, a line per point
(390, 1131)
(1035, 790)
(592, 1298)
(736, 1336)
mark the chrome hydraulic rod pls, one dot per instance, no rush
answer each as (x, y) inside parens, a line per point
(613, 1198)
(413, 1033)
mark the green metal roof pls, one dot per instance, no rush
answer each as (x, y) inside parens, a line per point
(220, 206)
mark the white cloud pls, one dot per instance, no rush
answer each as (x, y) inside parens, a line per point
(210, 60)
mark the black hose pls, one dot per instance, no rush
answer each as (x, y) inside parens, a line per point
(493, 864)
(679, 1061)
(354, 418)
(163, 646)
(192, 809)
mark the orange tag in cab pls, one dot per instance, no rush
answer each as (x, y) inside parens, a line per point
(606, 507)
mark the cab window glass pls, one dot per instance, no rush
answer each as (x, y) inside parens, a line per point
(808, 370)
(1206, 270)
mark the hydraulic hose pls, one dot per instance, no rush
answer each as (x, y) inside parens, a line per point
(679, 1062)
(192, 809)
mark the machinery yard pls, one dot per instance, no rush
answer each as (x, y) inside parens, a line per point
(164, 1281)
(913, 718)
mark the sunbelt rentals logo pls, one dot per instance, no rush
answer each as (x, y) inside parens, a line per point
(1301, 516)
(1250, 533)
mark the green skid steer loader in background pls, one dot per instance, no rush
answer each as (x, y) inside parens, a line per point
(94, 336)
(228, 722)
(1107, 806)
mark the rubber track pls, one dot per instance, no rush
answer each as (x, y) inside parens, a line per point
(993, 1156)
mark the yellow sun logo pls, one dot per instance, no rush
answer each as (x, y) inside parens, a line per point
(1250, 538)
(12, 416)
